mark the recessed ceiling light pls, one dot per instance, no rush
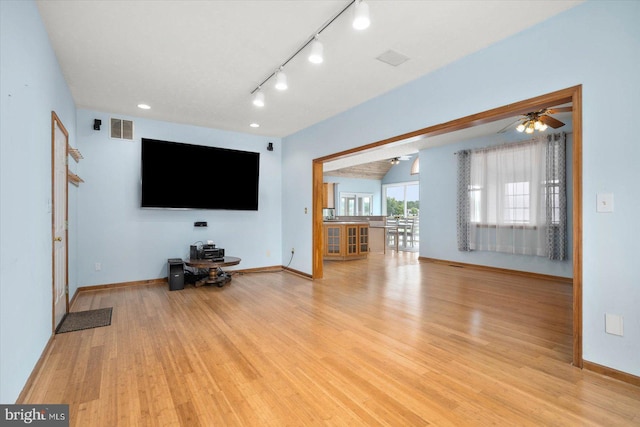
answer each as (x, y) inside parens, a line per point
(254, 125)
(144, 106)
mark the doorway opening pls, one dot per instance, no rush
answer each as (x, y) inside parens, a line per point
(572, 95)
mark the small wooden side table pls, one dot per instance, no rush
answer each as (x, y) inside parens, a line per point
(216, 275)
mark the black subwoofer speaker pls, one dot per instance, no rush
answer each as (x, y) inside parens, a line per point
(175, 274)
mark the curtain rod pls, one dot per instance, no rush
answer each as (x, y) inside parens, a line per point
(507, 144)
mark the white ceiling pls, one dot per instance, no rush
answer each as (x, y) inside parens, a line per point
(196, 62)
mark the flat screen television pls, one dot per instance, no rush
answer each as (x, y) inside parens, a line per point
(186, 176)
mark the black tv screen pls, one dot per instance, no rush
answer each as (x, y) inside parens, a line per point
(186, 176)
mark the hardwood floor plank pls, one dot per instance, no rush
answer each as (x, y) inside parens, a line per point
(387, 341)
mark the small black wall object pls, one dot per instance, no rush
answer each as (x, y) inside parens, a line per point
(270, 146)
(96, 124)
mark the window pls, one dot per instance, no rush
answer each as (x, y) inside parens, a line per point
(503, 189)
(356, 204)
(512, 198)
(516, 204)
(415, 166)
(401, 199)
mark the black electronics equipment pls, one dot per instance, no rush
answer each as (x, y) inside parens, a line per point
(175, 274)
(186, 176)
(96, 124)
(193, 252)
(211, 252)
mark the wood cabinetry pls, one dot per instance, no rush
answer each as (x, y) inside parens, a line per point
(328, 195)
(346, 240)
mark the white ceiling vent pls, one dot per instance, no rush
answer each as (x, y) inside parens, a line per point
(393, 58)
(122, 129)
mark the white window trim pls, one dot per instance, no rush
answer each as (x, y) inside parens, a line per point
(397, 184)
(356, 196)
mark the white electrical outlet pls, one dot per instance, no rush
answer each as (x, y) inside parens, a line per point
(613, 324)
(98, 266)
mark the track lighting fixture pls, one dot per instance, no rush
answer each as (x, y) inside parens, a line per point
(281, 80)
(316, 51)
(258, 98)
(316, 55)
(395, 161)
(361, 15)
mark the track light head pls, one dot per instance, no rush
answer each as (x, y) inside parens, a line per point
(361, 19)
(281, 80)
(316, 56)
(258, 98)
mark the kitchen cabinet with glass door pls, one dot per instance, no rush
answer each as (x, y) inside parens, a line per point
(345, 240)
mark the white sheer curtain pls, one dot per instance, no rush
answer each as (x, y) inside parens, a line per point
(507, 198)
(513, 198)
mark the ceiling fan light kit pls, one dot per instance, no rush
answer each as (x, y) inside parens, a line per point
(541, 120)
(361, 21)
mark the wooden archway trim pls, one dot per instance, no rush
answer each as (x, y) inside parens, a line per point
(572, 95)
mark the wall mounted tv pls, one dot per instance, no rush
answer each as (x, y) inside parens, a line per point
(186, 176)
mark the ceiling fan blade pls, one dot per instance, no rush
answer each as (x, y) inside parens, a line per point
(504, 129)
(550, 121)
(559, 110)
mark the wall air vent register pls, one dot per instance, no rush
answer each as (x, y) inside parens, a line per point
(121, 129)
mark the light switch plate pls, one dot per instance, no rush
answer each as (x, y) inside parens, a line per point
(613, 324)
(604, 202)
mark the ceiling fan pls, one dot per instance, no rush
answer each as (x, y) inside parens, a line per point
(396, 160)
(538, 120)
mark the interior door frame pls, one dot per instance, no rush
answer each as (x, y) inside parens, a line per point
(572, 94)
(56, 122)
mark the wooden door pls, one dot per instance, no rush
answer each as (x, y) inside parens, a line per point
(59, 143)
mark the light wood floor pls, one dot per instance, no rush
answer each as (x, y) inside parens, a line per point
(384, 341)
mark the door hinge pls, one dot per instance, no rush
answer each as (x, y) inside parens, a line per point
(66, 225)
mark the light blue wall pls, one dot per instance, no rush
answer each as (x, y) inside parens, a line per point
(358, 185)
(438, 188)
(595, 44)
(31, 86)
(132, 243)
